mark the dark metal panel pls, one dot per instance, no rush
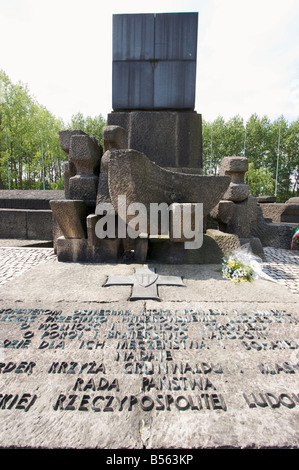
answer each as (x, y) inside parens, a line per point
(133, 85)
(133, 37)
(176, 36)
(154, 61)
(174, 85)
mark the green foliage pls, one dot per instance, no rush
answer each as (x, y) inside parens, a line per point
(257, 139)
(92, 126)
(260, 181)
(29, 140)
(29, 145)
(58, 185)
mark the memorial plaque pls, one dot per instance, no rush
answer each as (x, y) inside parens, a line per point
(112, 376)
(213, 364)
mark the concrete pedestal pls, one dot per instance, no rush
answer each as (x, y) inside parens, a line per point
(168, 138)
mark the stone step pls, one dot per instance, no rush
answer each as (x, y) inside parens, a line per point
(28, 199)
(26, 224)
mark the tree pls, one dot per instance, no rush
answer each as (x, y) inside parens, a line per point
(221, 139)
(257, 140)
(92, 126)
(268, 146)
(284, 156)
(292, 148)
(261, 182)
(234, 136)
(213, 145)
(25, 125)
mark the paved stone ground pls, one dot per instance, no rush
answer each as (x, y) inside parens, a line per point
(281, 265)
(252, 403)
(16, 261)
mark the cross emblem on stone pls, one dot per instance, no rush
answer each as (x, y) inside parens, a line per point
(145, 282)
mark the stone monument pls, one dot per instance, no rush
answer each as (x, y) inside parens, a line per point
(152, 147)
(152, 153)
(214, 365)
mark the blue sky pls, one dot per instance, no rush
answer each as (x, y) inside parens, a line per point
(248, 53)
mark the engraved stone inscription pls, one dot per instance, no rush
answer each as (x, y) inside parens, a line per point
(158, 362)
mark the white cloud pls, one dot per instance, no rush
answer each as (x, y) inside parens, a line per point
(246, 56)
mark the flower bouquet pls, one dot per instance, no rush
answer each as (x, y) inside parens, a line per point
(235, 270)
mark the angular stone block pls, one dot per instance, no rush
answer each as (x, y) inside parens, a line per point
(215, 245)
(245, 213)
(85, 154)
(109, 251)
(225, 241)
(273, 211)
(78, 250)
(92, 235)
(237, 192)
(162, 250)
(65, 138)
(133, 175)
(91, 222)
(223, 212)
(71, 250)
(103, 195)
(71, 217)
(114, 137)
(280, 212)
(84, 188)
(103, 250)
(292, 200)
(28, 224)
(291, 213)
(266, 199)
(265, 231)
(233, 166)
(69, 172)
(168, 138)
(13, 223)
(39, 225)
(28, 199)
